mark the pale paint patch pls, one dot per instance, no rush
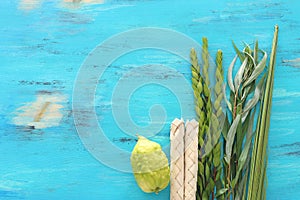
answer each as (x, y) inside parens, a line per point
(34, 4)
(85, 1)
(10, 185)
(76, 4)
(285, 117)
(204, 19)
(42, 113)
(29, 4)
(293, 62)
(283, 93)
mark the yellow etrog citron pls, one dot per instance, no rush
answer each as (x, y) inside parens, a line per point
(150, 166)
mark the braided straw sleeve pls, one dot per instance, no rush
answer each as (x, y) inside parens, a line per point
(191, 159)
(177, 160)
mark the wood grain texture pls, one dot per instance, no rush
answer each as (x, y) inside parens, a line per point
(41, 51)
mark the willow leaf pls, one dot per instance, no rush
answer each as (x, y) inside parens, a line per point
(241, 162)
(238, 52)
(255, 53)
(239, 138)
(258, 69)
(247, 48)
(239, 76)
(230, 138)
(225, 128)
(241, 189)
(252, 102)
(251, 58)
(226, 100)
(246, 91)
(245, 153)
(221, 192)
(229, 74)
(250, 126)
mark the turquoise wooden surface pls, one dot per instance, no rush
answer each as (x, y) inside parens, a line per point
(41, 51)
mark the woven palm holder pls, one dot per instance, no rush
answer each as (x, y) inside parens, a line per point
(190, 159)
(177, 160)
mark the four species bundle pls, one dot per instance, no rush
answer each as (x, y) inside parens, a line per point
(232, 132)
(235, 166)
